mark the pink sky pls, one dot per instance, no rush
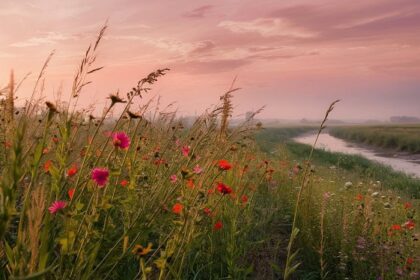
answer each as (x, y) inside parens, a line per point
(293, 56)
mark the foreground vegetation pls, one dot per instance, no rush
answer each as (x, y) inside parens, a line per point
(398, 138)
(144, 197)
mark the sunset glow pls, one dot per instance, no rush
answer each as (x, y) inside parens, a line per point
(294, 56)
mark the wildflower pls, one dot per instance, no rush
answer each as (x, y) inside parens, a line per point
(409, 225)
(223, 189)
(326, 195)
(71, 193)
(197, 169)
(244, 199)
(121, 140)
(133, 115)
(100, 176)
(115, 99)
(185, 150)
(218, 225)
(409, 262)
(359, 197)
(207, 211)
(124, 183)
(224, 165)
(57, 206)
(45, 151)
(190, 184)
(51, 107)
(47, 166)
(55, 140)
(142, 251)
(408, 205)
(72, 171)
(177, 208)
(173, 178)
(396, 227)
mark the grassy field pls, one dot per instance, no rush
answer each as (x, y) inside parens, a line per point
(141, 196)
(404, 138)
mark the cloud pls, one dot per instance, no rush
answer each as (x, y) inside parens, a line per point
(48, 39)
(199, 12)
(268, 27)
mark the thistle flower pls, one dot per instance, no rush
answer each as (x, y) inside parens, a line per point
(51, 107)
(116, 99)
(133, 115)
(100, 176)
(56, 206)
(121, 140)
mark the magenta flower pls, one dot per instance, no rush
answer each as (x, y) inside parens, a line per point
(185, 150)
(100, 176)
(197, 169)
(57, 206)
(173, 178)
(121, 140)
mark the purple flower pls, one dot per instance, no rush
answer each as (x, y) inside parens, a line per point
(121, 140)
(57, 206)
(100, 176)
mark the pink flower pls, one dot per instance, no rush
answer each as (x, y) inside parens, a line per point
(197, 169)
(173, 178)
(185, 150)
(121, 140)
(100, 176)
(57, 206)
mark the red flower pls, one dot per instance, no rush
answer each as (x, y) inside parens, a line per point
(224, 165)
(100, 176)
(71, 193)
(190, 184)
(408, 205)
(223, 189)
(47, 166)
(55, 140)
(72, 171)
(177, 208)
(396, 227)
(244, 199)
(207, 211)
(409, 261)
(185, 150)
(121, 140)
(124, 183)
(218, 225)
(56, 206)
(409, 224)
(359, 197)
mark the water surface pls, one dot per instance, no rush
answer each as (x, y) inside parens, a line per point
(334, 144)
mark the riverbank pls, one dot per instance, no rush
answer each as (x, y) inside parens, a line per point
(350, 208)
(399, 140)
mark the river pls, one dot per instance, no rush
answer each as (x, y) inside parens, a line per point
(333, 144)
